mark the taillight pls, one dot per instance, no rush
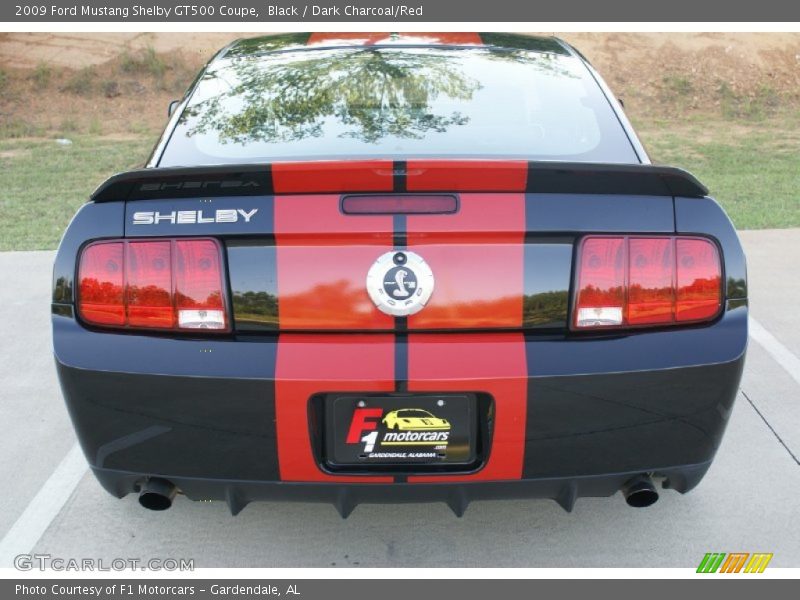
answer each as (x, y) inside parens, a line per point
(635, 281)
(601, 300)
(198, 285)
(699, 277)
(148, 289)
(101, 284)
(159, 285)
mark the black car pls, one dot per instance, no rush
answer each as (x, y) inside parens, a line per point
(399, 268)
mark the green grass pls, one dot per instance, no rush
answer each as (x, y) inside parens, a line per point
(678, 84)
(168, 71)
(81, 83)
(42, 183)
(18, 128)
(752, 169)
(41, 76)
(145, 61)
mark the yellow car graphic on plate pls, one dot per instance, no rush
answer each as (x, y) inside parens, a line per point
(414, 419)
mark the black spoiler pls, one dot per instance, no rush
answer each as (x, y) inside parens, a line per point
(400, 176)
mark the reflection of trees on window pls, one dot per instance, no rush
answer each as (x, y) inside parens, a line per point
(547, 63)
(542, 54)
(371, 94)
(268, 43)
(260, 308)
(546, 309)
(522, 44)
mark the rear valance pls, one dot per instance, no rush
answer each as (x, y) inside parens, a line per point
(387, 176)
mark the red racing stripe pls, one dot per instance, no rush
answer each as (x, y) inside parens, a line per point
(316, 219)
(477, 256)
(322, 261)
(467, 175)
(351, 38)
(333, 176)
(447, 38)
(493, 363)
(310, 364)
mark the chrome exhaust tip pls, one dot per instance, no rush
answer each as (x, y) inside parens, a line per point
(640, 492)
(157, 494)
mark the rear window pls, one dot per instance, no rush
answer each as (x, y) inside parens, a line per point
(397, 103)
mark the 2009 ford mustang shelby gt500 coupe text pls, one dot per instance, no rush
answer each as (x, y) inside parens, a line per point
(392, 268)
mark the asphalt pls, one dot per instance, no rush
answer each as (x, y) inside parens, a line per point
(747, 503)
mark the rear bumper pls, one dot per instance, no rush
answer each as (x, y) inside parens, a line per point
(228, 419)
(345, 497)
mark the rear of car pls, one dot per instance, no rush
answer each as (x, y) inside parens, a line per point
(386, 268)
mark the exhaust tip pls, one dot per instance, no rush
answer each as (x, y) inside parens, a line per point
(157, 494)
(640, 492)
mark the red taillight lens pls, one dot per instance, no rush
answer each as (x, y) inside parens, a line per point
(101, 280)
(164, 284)
(646, 281)
(650, 294)
(699, 291)
(149, 284)
(601, 296)
(198, 285)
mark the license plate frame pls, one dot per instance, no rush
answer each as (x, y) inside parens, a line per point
(417, 442)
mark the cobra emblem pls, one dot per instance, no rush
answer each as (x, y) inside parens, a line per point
(400, 280)
(400, 283)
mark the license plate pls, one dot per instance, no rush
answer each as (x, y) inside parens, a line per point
(401, 430)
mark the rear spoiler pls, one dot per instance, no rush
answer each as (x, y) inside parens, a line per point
(400, 176)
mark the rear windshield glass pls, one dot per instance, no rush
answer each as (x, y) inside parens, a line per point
(397, 103)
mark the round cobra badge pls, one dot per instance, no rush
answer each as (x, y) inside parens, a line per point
(400, 283)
